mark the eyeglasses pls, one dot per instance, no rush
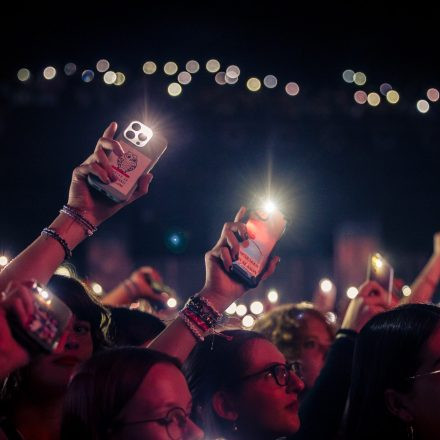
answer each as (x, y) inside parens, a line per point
(424, 374)
(175, 422)
(280, 372)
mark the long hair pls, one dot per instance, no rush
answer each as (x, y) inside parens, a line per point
(285, 326)
(85, 307)
(213, 366)
(387, 353)
(101, 388)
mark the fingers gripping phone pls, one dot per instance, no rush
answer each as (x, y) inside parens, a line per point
(381, 271)
(142, 149)
(264, 230)
(45, 327)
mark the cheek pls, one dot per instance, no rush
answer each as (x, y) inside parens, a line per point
(142, 432)
(264, 401)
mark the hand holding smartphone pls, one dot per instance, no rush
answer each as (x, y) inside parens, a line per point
(44, 328)
(382, 272)
(142, 149)
(264, 228)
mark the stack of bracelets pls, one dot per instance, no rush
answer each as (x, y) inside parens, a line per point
(200, 316)
(76, 215)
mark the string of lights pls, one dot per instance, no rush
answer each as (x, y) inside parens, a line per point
(230, 76)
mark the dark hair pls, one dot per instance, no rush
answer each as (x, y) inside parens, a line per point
(133, 327)
(387, 353)
(213, 366)
(85, 307)
(284, 326)
(101, 388)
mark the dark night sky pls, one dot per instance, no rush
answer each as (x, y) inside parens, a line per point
(333, 161)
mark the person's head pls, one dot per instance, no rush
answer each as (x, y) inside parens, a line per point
(133, 327)
(241, 387)
(392, 388)
(302, 334)
(129, 392)
(48, 374)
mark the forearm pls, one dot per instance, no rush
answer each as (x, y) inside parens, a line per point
(424, 286)
(177, 339)
(42, 257)
(119, 296)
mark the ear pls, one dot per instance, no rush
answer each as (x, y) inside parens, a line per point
(399, 405)
(224, 406)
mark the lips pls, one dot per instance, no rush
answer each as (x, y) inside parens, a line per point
(66, 361)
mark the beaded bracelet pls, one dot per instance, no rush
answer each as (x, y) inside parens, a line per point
(196, 319)
(202, 308)
(89, 228)
(54, 234)
(192, 328)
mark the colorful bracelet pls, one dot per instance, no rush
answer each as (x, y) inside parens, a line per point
(196, 319)
(54, 234)
(192, 328)
(74, 213)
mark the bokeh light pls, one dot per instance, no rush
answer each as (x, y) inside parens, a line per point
(102, 66)
(348, 76)
(359, 78)
(49, 72)
(87, 76)
(192, 66)
(170, 68)
(270, 81)
(23, 75)
(292, 88)
(213, 66)
(174, 89)
(184, 78)
(253, 84)
(149, 67)
(423, 106)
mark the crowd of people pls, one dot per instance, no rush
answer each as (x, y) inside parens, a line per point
(121, 373)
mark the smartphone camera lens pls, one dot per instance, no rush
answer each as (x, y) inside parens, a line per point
(136, 126)
(130, 134)
(142, 137)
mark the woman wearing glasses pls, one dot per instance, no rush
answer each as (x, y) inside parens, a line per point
(396, 376)
(129, 393)
(243, 388)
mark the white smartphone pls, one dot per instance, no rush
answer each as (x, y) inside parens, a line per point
(142, 149)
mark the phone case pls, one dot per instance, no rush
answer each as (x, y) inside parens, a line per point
(267, 228)
(381, 271)
(142, 149)
(45, 327)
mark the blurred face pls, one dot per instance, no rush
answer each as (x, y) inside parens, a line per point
(315, 343)
(266, 409)
(159, 407)
(424, 399)
(53, 371)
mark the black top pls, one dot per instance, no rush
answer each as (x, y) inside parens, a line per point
(322, 409)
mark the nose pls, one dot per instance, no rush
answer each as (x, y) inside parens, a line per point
(295, 384)
(72, 342)
(193, 432)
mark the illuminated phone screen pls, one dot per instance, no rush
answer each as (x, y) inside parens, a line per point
(264, 230)
(381, 271)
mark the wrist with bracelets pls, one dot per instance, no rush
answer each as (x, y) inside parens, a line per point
(49, 232)
(200, 316)
(77, 216)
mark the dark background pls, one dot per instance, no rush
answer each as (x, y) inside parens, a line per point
(332, 161)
